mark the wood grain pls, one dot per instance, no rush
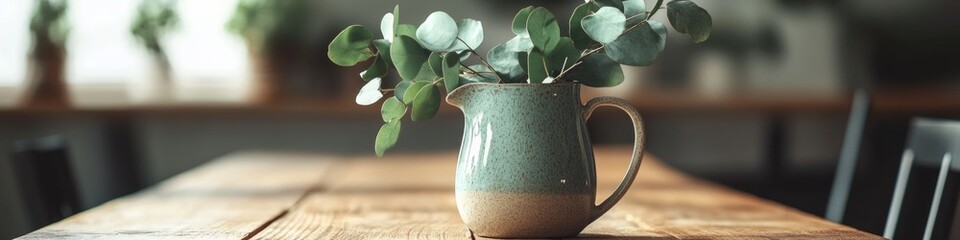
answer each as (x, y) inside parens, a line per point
(264, 196)
(225, 199)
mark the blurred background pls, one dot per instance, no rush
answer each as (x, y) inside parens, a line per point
(140, 91)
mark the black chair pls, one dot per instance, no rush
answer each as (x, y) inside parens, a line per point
(45, 180)
(927, 159)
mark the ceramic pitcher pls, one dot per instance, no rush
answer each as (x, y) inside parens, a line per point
(526, 166)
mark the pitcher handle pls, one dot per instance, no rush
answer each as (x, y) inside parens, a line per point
(636, 159)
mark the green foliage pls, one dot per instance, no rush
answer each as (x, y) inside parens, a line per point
(580, 38)
(432, 57)
(506, 63)
(351, 46)
(387, 136)
(426, 103)
(484, 75)
(48, 24)
(537, 66)
(451, 71)
(269, 23)
(687, 17)
(634, 8)
(638, 47)
(155, 18)
(618, 4)
(520, 21)
(376, 70)
(438, 32)
(410, 93)
(470, 32)
(564, 55)
(370, 93)
(392, 109)
(436, 63)
(408, 57)
(543, 29)
(598, 70)
(605, 25)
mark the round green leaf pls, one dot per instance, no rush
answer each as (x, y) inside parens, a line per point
(407, 56)
(438, 32)
(369, 93)
(396, 18)
(406, 30)
(392, 109)
(537, 66)
(564, 55)
(519, 44)
(383, 49)
(506, 63)
(386, 26)
(618, 4)
(411, 92)
(580, 38)
(543, 29)
(687, 17)
(464, 55)
(638, 47)
(520, 21)
(426, 103)
(633, 8)
(351, 46)
(387, 137)
(605, 25)
(401, 88)
(598, 70)
(451, 71)
(523, 59)
(426, 74)
(436, 63)
(471, 32)
(661, 31)
(376, 70)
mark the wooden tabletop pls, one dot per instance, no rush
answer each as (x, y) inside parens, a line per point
(313, 196)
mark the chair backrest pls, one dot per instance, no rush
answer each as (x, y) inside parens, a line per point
(932, 144)
(847, 162)
(46, 180)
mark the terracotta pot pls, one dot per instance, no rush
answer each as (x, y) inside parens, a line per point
(46, 85)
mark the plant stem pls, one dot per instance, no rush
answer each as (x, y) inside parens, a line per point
(656, 7)
(470, 69)
(564, 72)
(482, 60)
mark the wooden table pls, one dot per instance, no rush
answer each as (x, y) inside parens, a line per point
(312, 196)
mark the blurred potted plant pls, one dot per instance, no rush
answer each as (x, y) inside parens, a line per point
(525, 167)
(273, 30)
(45, 70)
(154, 20)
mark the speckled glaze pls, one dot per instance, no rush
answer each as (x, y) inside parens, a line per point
(526, 167)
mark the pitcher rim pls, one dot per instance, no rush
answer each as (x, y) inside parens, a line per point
(457, 91)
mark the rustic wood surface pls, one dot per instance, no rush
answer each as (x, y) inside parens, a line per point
(286, 196)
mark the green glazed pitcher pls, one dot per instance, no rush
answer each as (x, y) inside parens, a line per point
(526, 167)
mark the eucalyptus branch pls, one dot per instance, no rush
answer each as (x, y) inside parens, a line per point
(482, 60)
(565, 71)
(656, 7)
(468, 68)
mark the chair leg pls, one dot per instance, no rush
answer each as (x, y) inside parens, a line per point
(937, 194)
(906, 163)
